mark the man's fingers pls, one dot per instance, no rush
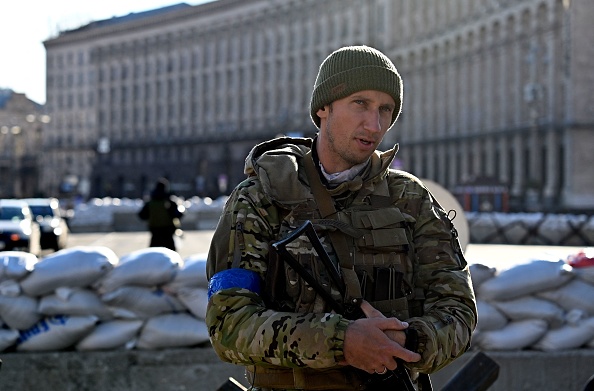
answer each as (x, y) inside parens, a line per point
(370, 311)
(393, 328)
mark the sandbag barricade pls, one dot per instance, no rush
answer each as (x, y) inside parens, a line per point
(543, 305)
(86, 298)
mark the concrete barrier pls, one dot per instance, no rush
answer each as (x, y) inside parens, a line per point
(532, 370)
(199, 369)
(196, 369)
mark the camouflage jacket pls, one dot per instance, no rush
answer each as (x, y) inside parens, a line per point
(245, 330)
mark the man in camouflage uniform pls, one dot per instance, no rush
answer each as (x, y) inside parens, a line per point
(412, 282)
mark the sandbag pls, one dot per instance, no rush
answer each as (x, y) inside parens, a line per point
(10, 288)
(530, 307)
(514, 336)
(489, 317)
(55, 333)
(575, 316)
(576, 294)
(114, 334)
(172, 330)
(74, 267)
(480, 273)
(143, 302)
(191, 275)
(19, 312)
(147, 267)
(567, 337)
(68, 301)
(16, 264)
(195, 300)
(585, 274)
(7, 338)
(526, 279)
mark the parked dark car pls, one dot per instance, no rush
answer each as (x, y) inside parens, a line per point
(18, 229)
(54, 230)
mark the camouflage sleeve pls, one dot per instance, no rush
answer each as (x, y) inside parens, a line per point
(450, 312)
(242, 330)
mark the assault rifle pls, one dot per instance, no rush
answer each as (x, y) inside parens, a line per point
(398, 379)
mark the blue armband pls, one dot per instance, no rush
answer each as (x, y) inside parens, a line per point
(234, 278)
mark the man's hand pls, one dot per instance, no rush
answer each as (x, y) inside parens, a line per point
(394, 335)
(374, 343)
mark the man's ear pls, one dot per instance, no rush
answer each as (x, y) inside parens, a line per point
(322, 112)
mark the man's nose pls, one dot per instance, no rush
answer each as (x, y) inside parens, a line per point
(373, 121)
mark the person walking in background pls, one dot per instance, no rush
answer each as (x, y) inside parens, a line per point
(163, 215)
(394, 261)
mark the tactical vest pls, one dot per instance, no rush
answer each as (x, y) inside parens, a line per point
(379, 239)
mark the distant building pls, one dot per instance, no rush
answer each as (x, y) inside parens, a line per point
(21, 124)
(499, 89)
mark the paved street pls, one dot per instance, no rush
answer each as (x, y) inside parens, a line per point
(194, 242)
(123, 243)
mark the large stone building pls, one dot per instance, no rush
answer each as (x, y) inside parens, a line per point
(493, 89)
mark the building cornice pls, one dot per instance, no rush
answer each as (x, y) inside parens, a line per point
(94, 31)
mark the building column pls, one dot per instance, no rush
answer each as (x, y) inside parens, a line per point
(504, 160)
(430, 159)
(489, 151)
(551, 185)
(517, 166)
(464, 170)
(452, 165)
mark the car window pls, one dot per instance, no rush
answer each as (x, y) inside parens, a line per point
(11, 213)
(42, 210)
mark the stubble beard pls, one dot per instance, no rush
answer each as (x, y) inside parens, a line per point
(334, 146)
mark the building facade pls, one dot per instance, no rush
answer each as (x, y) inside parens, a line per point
(21, 126)
(494, 89)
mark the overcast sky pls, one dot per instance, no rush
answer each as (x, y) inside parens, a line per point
(25, 24)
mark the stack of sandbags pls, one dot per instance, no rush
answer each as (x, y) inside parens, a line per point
(85, 298)
(16, 310)
(542, 304)
(191, 286)
(43, 288)
(133, 290)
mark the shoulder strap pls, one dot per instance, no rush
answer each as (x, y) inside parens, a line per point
(328, 211)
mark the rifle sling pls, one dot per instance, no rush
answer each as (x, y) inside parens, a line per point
(328, 211)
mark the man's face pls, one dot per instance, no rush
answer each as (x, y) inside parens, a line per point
(352, 128)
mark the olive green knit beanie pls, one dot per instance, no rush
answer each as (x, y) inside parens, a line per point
(351, 69)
